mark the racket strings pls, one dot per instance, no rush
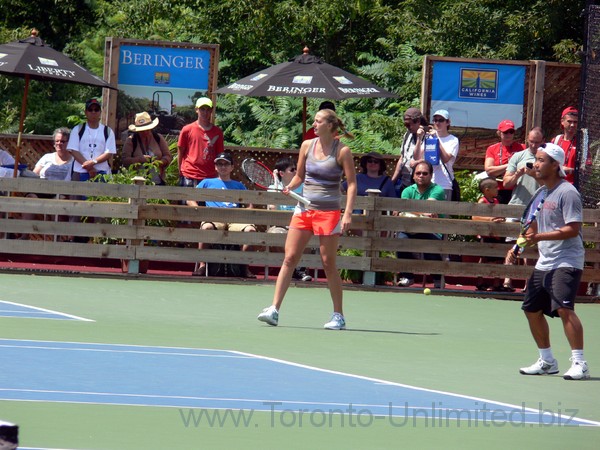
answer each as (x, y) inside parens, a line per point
(258, 175)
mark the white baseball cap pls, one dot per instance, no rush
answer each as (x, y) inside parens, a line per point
(557, 154)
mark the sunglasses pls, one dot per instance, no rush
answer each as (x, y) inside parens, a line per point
(94, 109)
(373, 161)
(509, 132)
(223, 164)
(439, 120)
(422, 173)
(291, 169)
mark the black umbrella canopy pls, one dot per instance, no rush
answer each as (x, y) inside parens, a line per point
(305, 76)
(32, 59)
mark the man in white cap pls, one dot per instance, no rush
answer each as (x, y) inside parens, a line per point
(199, 144)
(552, 287)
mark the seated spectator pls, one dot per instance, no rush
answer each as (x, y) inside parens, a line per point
(224, 167)
(489, 190)
(286, 169)
(143, 145)
(56, 166)
(7, 160)
(422, 189)
(373, 176)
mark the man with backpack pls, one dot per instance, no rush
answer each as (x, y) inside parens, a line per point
(92, 144)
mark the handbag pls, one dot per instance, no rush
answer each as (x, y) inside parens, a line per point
(455, 186)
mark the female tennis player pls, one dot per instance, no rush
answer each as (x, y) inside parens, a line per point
(321, 163)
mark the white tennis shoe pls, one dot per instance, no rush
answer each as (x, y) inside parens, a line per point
(269, 315)
(541, 367)
(578, 371)
(337, 322)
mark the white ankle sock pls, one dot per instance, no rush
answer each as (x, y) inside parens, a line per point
(546, 354)
(577, 355)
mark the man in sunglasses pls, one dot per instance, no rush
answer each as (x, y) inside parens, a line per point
(422, 189)
(92, 144)
(498, 155)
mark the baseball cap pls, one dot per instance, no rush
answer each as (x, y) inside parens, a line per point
(442, 112)
(569, 110)
(225, 156)
(204, 101)
(92, 101)
(506, 125)
(556, 153)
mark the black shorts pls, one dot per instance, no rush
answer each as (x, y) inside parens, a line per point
(550, 290)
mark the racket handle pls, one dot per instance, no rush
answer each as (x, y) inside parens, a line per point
(299, 198)
(517, 250)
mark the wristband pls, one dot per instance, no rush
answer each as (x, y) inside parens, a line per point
(95, 161)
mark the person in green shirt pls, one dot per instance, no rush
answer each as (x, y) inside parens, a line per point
(422, 189)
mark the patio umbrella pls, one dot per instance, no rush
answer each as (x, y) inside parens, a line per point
(31, 59)
(305, 76)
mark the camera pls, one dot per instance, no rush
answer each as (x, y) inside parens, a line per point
(529, 165)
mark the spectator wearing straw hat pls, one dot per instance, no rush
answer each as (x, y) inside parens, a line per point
(144, 145)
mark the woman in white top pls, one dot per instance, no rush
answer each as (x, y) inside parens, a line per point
(58, 165)
(443, 173)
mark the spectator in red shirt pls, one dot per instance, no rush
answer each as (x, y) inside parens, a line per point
(199, 144)
(497, 156)
(568, 141)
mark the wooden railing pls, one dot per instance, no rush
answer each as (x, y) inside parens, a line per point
(131, 227)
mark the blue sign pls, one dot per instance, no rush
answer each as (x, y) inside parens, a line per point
(478, 94)
(164, 67)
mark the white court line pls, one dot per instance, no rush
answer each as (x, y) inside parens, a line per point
(304, 366)
(84, 349)
(47, 311)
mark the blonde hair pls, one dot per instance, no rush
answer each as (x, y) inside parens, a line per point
(331, 117)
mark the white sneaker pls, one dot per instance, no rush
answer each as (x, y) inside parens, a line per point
(578, 371)
(337, 322)
(541, 367)
(269, 315)
(405, 282)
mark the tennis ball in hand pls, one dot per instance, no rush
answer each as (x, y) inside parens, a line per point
(427, 291)
(521, 242)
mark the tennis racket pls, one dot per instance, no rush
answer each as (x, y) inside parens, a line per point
(262, 177)
(529, 215)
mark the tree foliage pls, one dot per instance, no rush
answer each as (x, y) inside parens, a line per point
(381, 40)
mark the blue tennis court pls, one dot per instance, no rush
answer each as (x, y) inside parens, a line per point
(217, 379)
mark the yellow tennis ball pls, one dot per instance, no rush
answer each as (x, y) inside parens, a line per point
(427, 291)
(521, 242)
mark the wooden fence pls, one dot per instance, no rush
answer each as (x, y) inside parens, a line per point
(150, 223)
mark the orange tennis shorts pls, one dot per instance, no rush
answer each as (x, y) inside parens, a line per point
(320, 223)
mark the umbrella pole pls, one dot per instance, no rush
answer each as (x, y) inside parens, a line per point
(21, 126)
(303, 117)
